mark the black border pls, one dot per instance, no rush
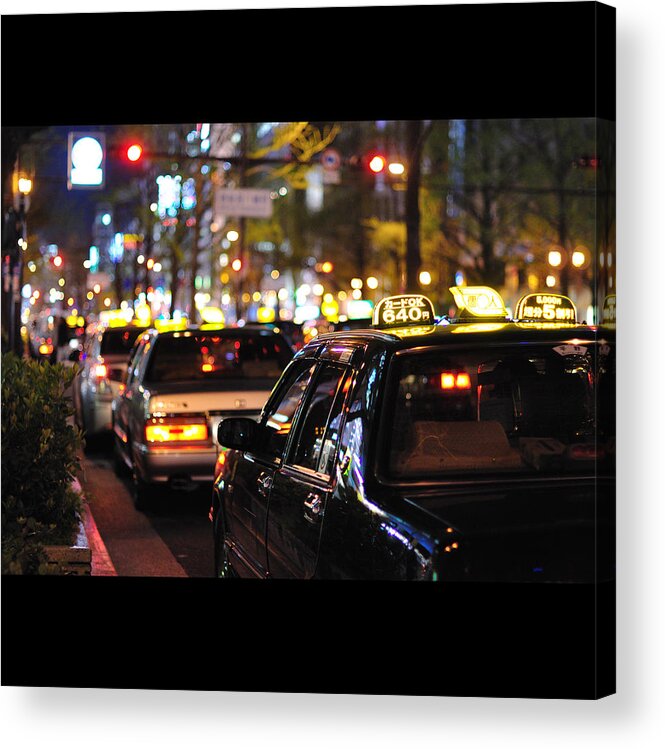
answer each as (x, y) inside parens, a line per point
(351, 63)
(495, 60)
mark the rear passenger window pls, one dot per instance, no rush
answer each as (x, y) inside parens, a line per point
(319, 434)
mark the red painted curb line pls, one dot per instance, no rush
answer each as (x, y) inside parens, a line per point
(101, 561)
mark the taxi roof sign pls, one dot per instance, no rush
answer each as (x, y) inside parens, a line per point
(478, 302)
(403, 310)
(544, 307)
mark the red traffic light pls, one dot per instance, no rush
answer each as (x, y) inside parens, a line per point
(134, 152)
(376, 163)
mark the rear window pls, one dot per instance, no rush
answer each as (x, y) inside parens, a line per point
(189, 356)
(119, 341)
(528, 409)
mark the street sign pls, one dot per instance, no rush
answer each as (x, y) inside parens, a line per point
(243, 201)
(330, 159)
(86, 156)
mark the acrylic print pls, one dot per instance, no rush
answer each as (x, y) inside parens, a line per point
(346, 376)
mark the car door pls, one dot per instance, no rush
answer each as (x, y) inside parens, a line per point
(122, 403)
(247, 494)
(302, 485)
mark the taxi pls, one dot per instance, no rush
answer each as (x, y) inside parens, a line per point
(180, 382)
(478, 447)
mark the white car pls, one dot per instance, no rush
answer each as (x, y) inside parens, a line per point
(103, 362)
(179, 386)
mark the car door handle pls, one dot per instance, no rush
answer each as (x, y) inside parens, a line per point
(313, 508)
(264, 483)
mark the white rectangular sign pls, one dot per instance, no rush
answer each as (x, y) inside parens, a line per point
(243, 201)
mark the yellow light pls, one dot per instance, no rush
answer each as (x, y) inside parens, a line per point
(425, 278)
(212, 315)
(356, 283)
(236, 264)
(554, 258)
(89, 295)
(206, 367)
(232, 235)
(372, 282)
(396, 168)
(550, 281)
(578, 259)
(150, 263)
(265, 314)
(317, 289)
(107, 302)
(479, 301)
(70, 301)
(327, 266)
(96, 288)
(61, 282)
(256, 296)
(274, 275)
(46, 348)
(24, 185)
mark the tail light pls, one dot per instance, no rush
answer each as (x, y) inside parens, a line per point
(172, 429)
(455, 381)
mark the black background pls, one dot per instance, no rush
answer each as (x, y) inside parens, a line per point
(351, 638)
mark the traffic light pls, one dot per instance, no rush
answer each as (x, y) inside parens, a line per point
(86, 160)
(376, 163)
(57, 261)
(134, 152)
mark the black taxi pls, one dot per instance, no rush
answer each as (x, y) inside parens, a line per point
(478, 447)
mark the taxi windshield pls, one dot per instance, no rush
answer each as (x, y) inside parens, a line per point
(523, 409)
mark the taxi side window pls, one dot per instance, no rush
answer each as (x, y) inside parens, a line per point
(132, 368)
(279, 415)
(319, 434)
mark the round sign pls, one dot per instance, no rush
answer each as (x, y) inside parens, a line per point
(330, 159)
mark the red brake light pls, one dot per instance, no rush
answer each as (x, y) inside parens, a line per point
(455, 381)
(169, 429)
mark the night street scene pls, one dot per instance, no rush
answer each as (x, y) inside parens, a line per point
(371, 351)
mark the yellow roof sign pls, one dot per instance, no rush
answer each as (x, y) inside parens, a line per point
(478, 302)
(403, 310)
(546, 308)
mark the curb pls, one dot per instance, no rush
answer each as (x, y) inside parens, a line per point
(101, 564)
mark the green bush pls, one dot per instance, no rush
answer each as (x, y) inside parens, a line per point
(39, 462)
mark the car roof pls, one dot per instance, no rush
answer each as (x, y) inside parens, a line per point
(226, 330)
(457, 333)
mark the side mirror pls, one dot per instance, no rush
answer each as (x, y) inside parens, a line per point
(238, 433)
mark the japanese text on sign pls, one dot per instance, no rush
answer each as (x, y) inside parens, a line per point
(550, 307)
(404, 310)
